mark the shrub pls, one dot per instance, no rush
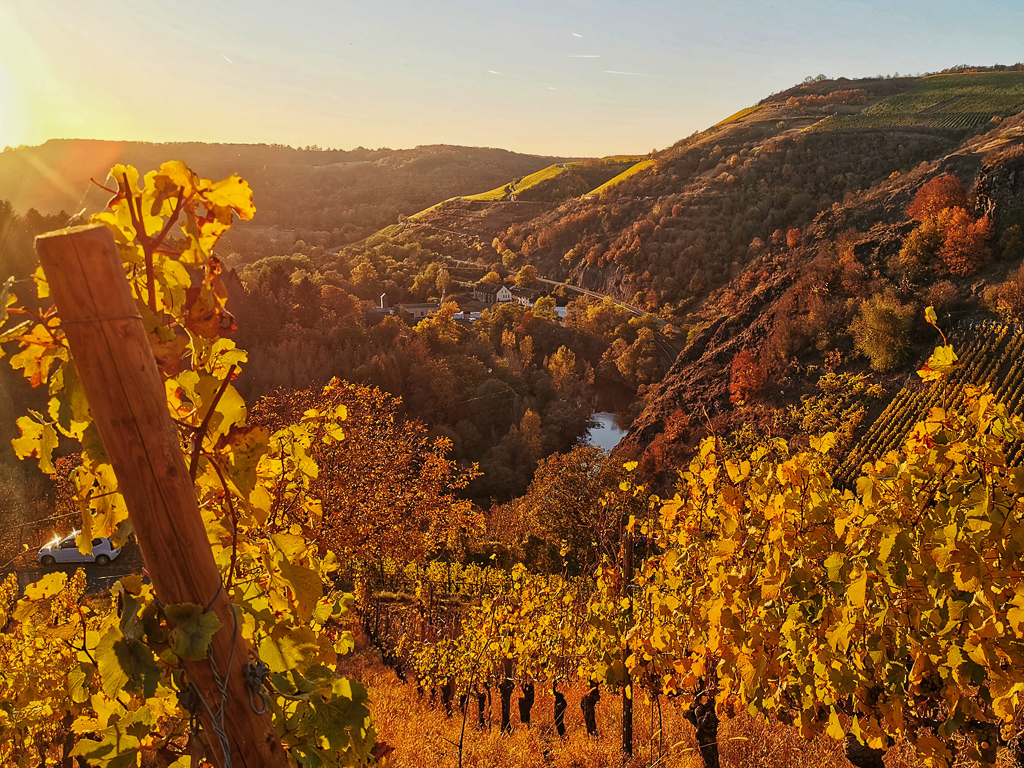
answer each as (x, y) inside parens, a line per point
(941, 295)
(920, 249)
(1009, 301)
(881, 331)
(1011, 243)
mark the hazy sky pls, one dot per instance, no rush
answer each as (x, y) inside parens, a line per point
(547, 76)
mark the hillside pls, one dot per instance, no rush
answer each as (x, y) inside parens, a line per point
(324, 197)
(769, 232)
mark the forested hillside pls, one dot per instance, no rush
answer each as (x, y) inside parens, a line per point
(322, 197)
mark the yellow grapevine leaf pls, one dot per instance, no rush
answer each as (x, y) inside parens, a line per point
(835, 726)
(232, 192)
(857, 592)
(48, 586)
(825, 443)
(36, 440)
(942, 362)
(930, 316)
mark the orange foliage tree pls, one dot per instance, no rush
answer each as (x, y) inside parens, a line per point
(387, 489)
(964, 249)
(937, 195)
(747, 378)
(948, 237)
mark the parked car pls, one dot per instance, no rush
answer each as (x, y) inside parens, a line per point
(66, 551)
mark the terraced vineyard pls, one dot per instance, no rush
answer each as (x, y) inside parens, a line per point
(586, 176)
(990, 353)
(956, 102)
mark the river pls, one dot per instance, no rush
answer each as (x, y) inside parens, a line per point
(606, 433)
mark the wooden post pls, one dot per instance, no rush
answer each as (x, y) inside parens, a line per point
(129, 407)
(627, 688)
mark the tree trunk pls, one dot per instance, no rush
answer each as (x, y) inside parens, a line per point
(128, 403)
(505, 688)
(627, 686)
(560, 707)
(526, 703)
(447, 694)
(861, 755)
(588, 704)
(705, 721)
(481, 699)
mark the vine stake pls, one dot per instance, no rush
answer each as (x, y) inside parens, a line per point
(127, 399)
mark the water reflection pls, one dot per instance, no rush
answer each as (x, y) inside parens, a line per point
(606, 433)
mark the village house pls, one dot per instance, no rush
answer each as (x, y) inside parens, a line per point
(419, 311)
(525, 296)
(489, 293)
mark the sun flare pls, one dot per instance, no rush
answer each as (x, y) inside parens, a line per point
(13, 112)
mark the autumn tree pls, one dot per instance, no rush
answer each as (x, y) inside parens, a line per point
(747, 376)
(937, 195)
(1010, 297)
(546, 308)
(387, 489)
(527, 276)
(443, 282)
(881, 331)
(965, 244)
(491, 278)
(949, 240)
(920, 250)
(560, 510)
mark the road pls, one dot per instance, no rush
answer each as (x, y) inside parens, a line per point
(97, 577)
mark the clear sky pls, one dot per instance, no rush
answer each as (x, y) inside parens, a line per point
(563, 77)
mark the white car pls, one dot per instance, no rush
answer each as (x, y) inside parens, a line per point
(66, 551)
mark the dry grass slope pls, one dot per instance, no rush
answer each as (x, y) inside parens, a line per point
(422, 736)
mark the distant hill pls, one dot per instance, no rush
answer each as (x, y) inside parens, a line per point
(329, 197)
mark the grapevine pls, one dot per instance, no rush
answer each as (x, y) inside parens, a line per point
(126, 651)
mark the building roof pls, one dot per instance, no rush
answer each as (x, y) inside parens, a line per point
(529, 293)
(489, 287)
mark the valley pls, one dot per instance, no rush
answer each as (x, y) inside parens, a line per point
(712, 454)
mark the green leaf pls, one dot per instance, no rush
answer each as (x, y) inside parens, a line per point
(293, 650)
(193, 630)
(126, 665)
(118, 743)
(247, 446)
(343, 718)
